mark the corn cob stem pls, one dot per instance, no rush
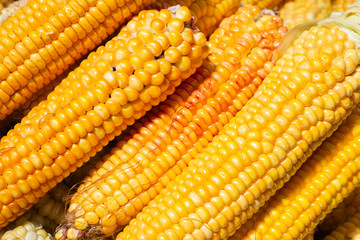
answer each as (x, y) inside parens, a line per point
(326, 178)
(117, 87)
(300, 103)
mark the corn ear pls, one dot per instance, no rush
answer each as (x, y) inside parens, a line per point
(262, 146)
(110, 90)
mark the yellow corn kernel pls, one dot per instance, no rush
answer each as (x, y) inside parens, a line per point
(289, 104)
(340, 5)
(86, 111)
(262, 3)
(340, 214)
(25, 229)
(337, 157)
(206, 14)
(136, 170)
(297, 12)
(45, 38)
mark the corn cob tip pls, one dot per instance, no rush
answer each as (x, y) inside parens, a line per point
(347, 21)
(70, 228)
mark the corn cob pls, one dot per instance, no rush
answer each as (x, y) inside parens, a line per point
(341, 5)
(340, 214)
(325, 179)
(207, 13)
(191, 124)
(39, 43)
(75, 230)
(348, 230)
(26, 230)
(228, 5)
(295, 12)
(222, 9)
(262, 3)
(59, 99)
(300, 103)
(10, 10)
(110, 90)
(106, 16)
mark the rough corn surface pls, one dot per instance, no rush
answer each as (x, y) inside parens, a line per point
(350, 230)
(26, 230)
(300, 103)
(295, 12)
(135, 172)
(112, 88)
(207, 14)
(45, 37)
(324, 180)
